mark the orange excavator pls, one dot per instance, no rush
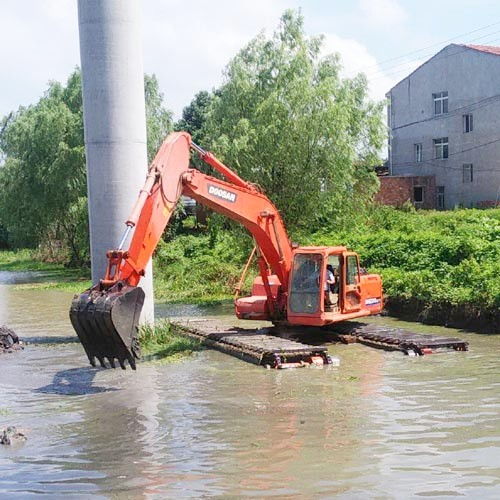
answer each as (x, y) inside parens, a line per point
(296, 285)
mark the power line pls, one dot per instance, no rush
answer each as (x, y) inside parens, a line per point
(444, 167)
(381, 63)
(403, 164)
(430, 54)
(468, 107)
(380, 74)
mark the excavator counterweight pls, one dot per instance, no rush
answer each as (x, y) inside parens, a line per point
(291, 287)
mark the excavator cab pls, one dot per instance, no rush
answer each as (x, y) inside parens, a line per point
(312, 301)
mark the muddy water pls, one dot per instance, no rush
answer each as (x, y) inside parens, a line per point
(380, 425)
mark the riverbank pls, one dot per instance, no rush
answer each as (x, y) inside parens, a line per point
(171, 285)
(51, 276)
(438, 267)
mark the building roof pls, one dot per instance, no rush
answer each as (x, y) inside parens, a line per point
(486, 49)
(490, 49)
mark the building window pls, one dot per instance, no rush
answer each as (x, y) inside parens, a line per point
(441, 148)
(467, 172)
(468, 125)
(418, 194)
(418, 152)
(440, 103)
(440, 197)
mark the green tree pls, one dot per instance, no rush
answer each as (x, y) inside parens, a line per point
(158, 118)
(43, 176)
(194, 115)
(43, 199)
(287, 121)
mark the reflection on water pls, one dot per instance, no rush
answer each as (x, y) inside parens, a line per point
(14, 278)
(380, 425)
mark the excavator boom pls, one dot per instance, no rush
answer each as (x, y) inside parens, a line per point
(106, 316)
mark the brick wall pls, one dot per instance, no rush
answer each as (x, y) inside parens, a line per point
(396, 190)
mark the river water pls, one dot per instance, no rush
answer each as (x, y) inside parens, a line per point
(381, 425)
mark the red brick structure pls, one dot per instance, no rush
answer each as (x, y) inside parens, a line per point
(397, 190)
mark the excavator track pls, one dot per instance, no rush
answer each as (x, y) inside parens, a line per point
(383, 337)
(256, 346)
(282, 346)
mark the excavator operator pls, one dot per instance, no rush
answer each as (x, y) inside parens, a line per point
(329, 283)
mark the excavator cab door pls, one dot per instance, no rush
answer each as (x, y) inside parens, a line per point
(351, 293)
(305, 294)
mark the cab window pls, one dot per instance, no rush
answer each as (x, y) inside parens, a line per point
(305, 290)
(352, 270)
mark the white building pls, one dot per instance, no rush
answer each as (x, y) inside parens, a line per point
(444, 121)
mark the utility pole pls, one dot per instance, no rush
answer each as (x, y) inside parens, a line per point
(115, 124)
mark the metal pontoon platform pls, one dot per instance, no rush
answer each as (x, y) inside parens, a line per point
(258, 346)
(273, 347)
(396, 339)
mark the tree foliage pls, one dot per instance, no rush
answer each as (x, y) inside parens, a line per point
(283, 119)
(43, 175)
(195, 114)
(158, 118)
(286, 120)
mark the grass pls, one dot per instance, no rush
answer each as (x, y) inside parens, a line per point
(163, 341)
(76, 286)
(54, 276)
(201, 269)
(171, 285)
(25, 260)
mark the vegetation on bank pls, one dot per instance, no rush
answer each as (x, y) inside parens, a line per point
(435, 260)
(200, 268)
(163, 340)
(443, 266)
(26, 260)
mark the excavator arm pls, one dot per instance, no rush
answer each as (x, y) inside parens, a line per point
(106, 316)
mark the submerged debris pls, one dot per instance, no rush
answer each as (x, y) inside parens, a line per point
(9, 341)
(11, 435)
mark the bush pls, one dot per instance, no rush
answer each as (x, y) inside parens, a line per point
(198, 267)
(436, 257)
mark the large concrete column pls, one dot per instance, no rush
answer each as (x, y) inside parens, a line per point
(115, 123)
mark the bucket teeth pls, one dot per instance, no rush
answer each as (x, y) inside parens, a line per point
(106, 323)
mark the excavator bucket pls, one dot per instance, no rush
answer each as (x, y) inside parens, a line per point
(106, 323)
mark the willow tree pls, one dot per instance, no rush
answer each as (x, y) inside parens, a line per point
(43, 175)
(43, 189)
(285, 119)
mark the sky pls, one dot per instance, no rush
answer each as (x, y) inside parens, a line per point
(188, 43)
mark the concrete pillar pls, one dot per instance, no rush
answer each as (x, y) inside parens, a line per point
(115, 124)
